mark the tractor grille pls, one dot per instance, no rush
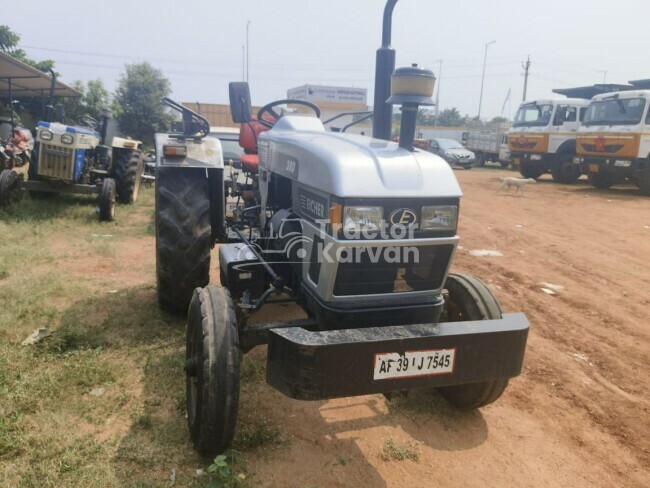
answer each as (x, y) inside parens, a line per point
(56, 162)
(365, 277)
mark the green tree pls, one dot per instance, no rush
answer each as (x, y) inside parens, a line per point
(450, 117)
(499, 120)
(137, 106)
(9, 44)
(94, 97)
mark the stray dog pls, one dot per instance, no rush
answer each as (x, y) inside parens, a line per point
(518, 183)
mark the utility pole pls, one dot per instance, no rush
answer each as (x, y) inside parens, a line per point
(435, 120)
(526, 67)
(604, 72)
(243, 63)
(480, 100)
(247, 52)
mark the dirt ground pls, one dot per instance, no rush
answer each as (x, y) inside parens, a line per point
(578, 416)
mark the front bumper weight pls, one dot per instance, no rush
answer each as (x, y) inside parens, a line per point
(339, 363)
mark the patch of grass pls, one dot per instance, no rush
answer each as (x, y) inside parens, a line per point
(226, 471)
(143, 422)
(261, 432)
(342, 460)
(400, 451)
(253, 369)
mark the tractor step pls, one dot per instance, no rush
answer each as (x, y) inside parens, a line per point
(338, 363)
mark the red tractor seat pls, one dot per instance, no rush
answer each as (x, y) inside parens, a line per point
(250, 162)
(248, 134)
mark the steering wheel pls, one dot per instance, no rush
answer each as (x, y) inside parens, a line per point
(88, 121)
(268, 108)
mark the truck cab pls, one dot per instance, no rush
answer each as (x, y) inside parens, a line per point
(613, 143)
(543, 138)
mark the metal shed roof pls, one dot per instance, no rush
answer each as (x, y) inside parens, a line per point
(641, 84)
(587, 92)
(27, 81)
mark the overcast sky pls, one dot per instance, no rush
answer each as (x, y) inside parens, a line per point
(198, 43)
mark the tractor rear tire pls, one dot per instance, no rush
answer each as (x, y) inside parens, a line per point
(600, 180)
(530, 169)
(565, 170)
(127, 172)
(183, 235)
(107, 200)
(471, 299)
(10, 190)
(212, 369)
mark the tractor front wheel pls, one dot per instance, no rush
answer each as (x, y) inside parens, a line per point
(183, 235)
(212, 360)
(471, 299)
(10, 190)
(107, 200)
(127, 172)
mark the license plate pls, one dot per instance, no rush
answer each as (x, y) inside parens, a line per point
(414, 363)
(517, 162)
(593, 168)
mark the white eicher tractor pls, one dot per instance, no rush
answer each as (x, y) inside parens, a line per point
(359, 232)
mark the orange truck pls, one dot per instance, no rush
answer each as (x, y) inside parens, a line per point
(613, 144)
(542, 138)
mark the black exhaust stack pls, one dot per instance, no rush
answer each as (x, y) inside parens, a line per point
(383, 111)
(411, 87)
(49, 107)
(107, 115)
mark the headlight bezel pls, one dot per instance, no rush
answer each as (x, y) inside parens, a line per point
(448, 221)
(46, 135)
(67, 139)
(362, 211)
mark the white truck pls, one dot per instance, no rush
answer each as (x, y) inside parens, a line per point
(486, 143)
(613, 144)
(543, 138)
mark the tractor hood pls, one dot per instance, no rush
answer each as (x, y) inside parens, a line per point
(347, 165)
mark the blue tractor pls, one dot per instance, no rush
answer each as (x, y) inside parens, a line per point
(80, 159)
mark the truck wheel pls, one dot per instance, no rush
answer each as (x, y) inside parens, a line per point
(565, 170)
(480, 160)
(212, 369)
(127, 171)
(107, 200)
(600, 180)
(471, 299)
(643, 180)
(10, 191)
(530, 169)
(183, 235)
(504, 164)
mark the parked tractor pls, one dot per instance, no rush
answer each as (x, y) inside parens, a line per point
(77, 159)
(359, 232)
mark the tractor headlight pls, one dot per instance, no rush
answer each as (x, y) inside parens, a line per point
(67, 139)
(46, 135)
(439, 217)
(357, 219)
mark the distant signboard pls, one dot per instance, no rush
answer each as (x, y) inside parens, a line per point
(336, 94)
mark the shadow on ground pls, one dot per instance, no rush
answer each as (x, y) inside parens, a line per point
(274, 434)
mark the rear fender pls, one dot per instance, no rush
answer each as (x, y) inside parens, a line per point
(198, 153)
(122, 143)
